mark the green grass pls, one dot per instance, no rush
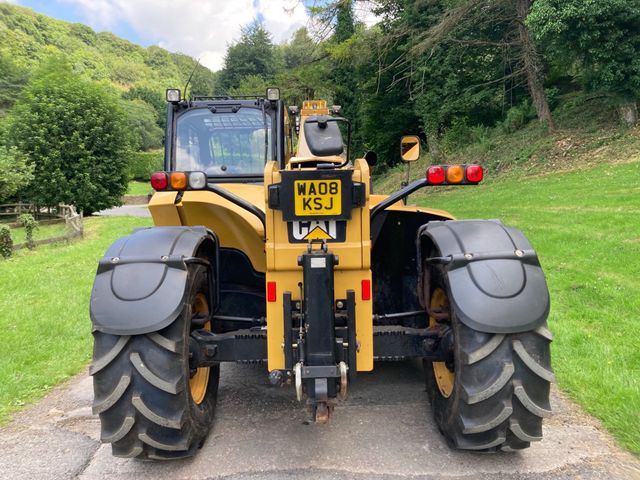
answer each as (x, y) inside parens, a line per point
(585, 226)
(139, 188)
(44, 311)
(42, 232)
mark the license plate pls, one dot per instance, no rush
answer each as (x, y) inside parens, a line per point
(317, 197)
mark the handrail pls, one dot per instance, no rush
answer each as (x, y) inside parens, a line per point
(396, 197)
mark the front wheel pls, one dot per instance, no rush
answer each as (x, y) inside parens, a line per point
(494, 393)
(151, 404)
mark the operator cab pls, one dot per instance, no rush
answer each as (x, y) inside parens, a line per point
(230, 139)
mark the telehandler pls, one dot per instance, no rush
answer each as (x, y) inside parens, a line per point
(266, 253)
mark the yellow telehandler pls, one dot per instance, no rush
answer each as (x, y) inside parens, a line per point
(270, 247)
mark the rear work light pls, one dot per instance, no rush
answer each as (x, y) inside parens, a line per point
(454, 174)
(159, 181)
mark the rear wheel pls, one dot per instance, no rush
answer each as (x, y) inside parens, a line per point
(151, 404)
(494, 393)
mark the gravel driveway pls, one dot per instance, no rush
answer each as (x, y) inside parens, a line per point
(383, 431)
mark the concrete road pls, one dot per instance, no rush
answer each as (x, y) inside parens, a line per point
(126, 211)
(383, 431)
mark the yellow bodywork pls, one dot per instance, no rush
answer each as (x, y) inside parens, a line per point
(354, 266)
(270, 251)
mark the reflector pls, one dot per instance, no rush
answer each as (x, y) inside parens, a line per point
(366, 289)
(435, 175)
(159, 180)
(455, 174)
(271, 292)
(475, 174)
(178, 180)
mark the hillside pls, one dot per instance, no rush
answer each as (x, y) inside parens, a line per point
(27, 38)
(588, 134)
(574, 194)
(584, 226)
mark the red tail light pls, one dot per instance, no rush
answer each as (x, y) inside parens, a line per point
(159, 181)
(474, 173)
(435, 175)
(271, 292)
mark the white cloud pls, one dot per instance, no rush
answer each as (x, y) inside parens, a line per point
(363, 13)
(282, 17)
(10, 1)
(200, 28)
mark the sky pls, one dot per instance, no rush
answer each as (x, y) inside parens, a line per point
(199, 28)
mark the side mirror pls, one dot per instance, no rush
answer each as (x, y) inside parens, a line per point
(410, 148)
(371, 158)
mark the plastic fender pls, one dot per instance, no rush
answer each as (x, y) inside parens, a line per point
(141, 280)
(495, 279)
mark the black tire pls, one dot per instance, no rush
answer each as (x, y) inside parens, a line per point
(142, 391)
(501, 388)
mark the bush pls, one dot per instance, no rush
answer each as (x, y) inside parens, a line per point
(6, 242)
(16, 170)
(143, 164)
(142, 121)
(30, 225)
(518, 117)
(77, 136)
(458, 135)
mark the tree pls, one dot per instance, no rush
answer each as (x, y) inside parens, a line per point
(494, 27)
(344, 84)
(152, 97)
(77, 136)
(12, 80)
(306, 73)
(596, 42)
(252, 55)
(17, 172)
(143, 122)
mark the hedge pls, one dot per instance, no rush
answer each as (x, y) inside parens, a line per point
(143, 164)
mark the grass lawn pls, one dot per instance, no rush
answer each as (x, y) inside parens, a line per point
(139, 188)
(42, 232)
(585, 226)
(44, 311)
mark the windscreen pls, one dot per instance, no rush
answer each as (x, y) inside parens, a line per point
(225, 143)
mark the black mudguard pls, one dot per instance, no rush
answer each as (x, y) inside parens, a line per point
(494, 275)
(142, 278)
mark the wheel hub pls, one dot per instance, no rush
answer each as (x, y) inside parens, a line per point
(443, 371)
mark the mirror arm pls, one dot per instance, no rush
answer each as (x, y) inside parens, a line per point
(396, 197)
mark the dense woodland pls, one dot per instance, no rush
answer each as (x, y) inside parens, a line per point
(449, 70)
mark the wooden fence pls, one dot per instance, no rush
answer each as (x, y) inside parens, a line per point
(74, 226)
(17, 209)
